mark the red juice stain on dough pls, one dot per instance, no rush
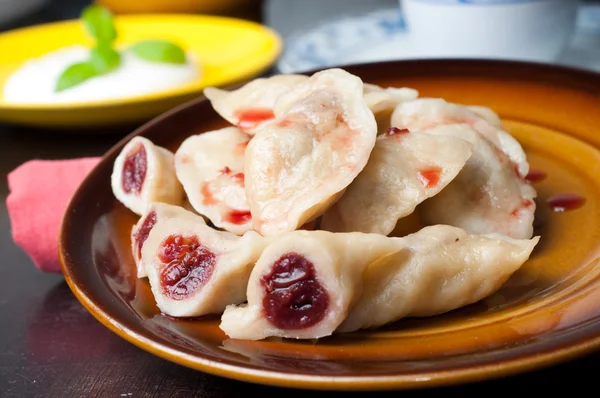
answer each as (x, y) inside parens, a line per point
(430, 176)
(207, 197)
(143, 231)
(345, 135)
(566, 202)
(189, 265)
(237, 217)
(252, 117)
(536, 176)
(238, 178)
(525, 203)
(134, 170)
(293, 299)
(501, 156)
(240, 148)
(396, 131)
(225, 170)
(284, 123)
(516, 170)
(469, 121)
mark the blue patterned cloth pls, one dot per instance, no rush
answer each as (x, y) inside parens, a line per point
(333, 42)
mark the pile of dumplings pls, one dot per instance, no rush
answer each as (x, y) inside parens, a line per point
(288, 222)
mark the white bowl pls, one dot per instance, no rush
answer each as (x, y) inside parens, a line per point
(534, 30)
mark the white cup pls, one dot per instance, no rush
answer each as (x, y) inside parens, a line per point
(531, 30)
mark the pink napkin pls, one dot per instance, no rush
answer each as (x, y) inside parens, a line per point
(39, 193)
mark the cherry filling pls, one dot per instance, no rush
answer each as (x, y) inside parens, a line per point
(238, 217)
(143, 231)
(225, 170)
(238, 178)
(134, 170)
(250, 118)
(293, 299)
(189, 265)
(430, 176)
(396, 131)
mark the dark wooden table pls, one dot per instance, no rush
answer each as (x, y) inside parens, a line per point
(51, 347)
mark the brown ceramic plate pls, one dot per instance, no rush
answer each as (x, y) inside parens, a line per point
(548, 312)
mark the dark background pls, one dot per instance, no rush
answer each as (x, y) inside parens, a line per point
(51, 347)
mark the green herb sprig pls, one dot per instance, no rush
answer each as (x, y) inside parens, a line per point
(104, 58)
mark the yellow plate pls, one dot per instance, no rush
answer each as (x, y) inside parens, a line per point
(229, 51)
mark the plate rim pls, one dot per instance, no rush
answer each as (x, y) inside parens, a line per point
(185, 90)
(414, 380)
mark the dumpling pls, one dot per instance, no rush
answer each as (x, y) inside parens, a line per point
(425, 113)
(303, 285)
(487, 196)
(503, 140)
(144, 173)
(487, 113)
(139, 232)
(300, 163)
(311, 284)
(194, 269)
(404, 169)
(381, 99)
(252, 104)
(211, 168)
(439, 269)
(377, 99)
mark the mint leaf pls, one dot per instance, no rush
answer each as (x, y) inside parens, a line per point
(159, 51)
(74, 75)
(104, 59)
(99, 23)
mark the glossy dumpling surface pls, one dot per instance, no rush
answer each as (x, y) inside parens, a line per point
(404, 169)
(143, 173)
(439, 269)
(210, 167)
(311, 284)
(252, 104)
(304, 284)
(487, 196)
(381, 100)
(426, 113)
(194, 269)
(140, 231)
(298, 164)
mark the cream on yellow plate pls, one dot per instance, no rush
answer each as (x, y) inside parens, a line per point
(225, 51)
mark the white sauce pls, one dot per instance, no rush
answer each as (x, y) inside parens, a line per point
(35, 80)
